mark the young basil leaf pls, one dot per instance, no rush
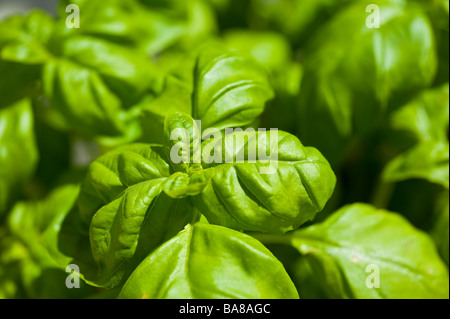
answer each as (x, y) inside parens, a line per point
(182, 139)
(180, 185)
(428, 160)
(229, 90)
(175, 97)
(364, 252)
(222, 90)
(247, 192)
(18, 150)
(246, 188)
(206, 261)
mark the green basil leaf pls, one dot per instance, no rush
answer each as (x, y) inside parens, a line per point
(229, 90)
(11, 252)
(175, 97)
(245, 188)
(428, 160)
(123, 205)
(298, 20)
(246, 192)
(112, 173)
(354, 73)
(426, 117)
(207, 261)
(38, 223)
(129, 74)
(359, 242)
(273, 52)
(18, 150)
(32, 248)
(180, 185)
(223, 90)
(180, 24)
(24, 39)
(269, 49)
(23, 50)
(121, 22)
(81, 95)
(124, 231)
(99, 87)
(150, 27)
(440, 230)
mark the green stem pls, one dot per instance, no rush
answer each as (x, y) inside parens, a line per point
(382, 194)
(272, 239)
(196, 216)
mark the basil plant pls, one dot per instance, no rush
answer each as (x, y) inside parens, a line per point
(141, 196)
(225, 149)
